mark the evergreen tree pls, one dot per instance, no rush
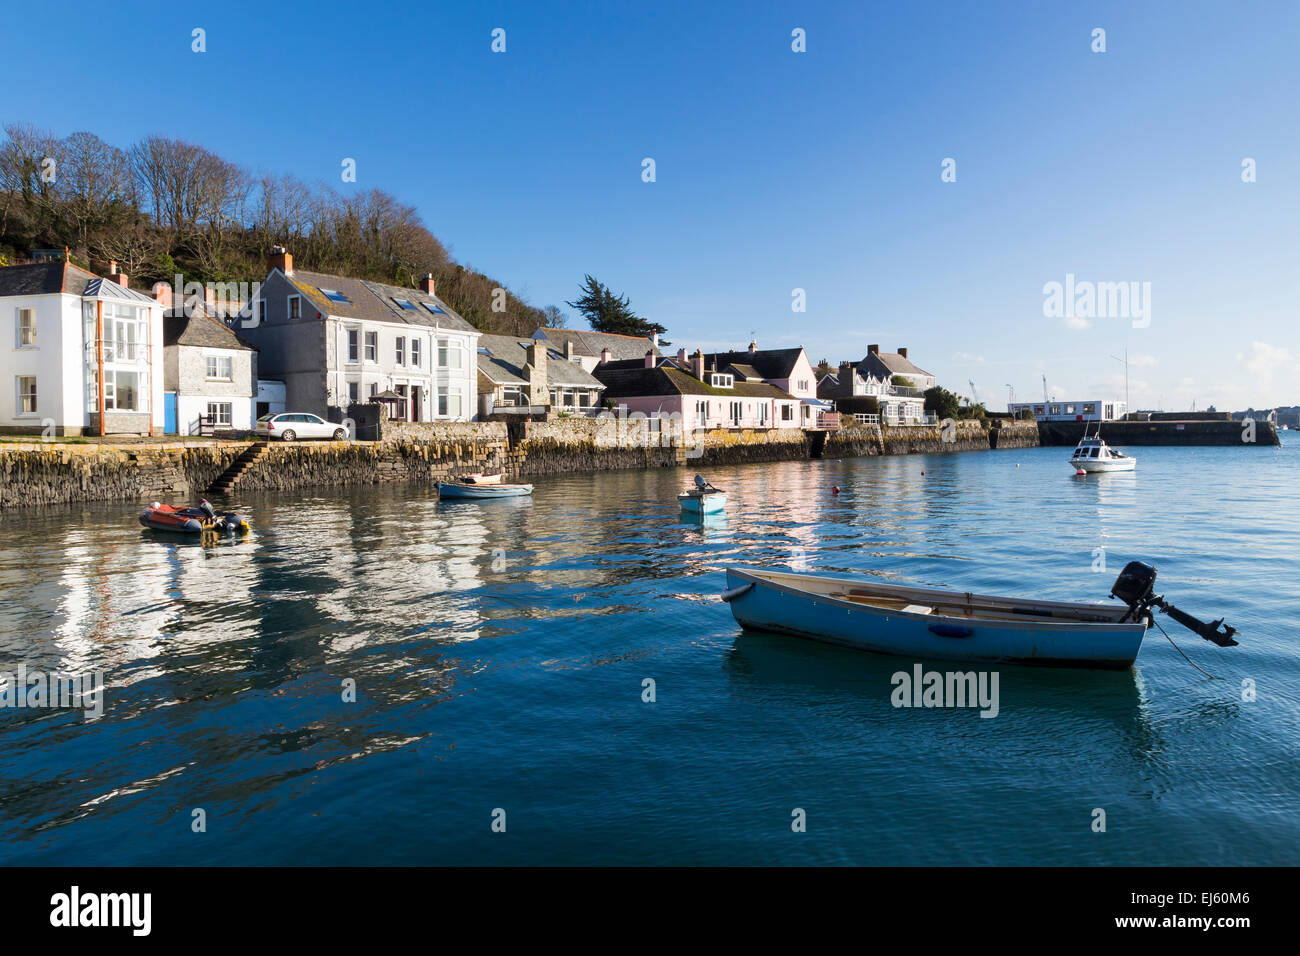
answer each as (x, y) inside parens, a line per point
(607, 312)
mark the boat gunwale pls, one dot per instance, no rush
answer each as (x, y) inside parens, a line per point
(1028, 622)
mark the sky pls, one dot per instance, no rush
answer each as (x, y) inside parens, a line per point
(777, 170)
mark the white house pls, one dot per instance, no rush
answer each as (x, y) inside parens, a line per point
(1089, 410)
(890, 377)
(209, 372)
(59, 325)
(334, 340)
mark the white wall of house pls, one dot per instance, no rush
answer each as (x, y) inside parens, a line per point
(58, 362)
(713, 411)
(446, 374)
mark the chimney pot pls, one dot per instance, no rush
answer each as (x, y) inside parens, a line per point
(162, 293)
(605, 356)
(681, 357)
(753, 347)
(697, 364)
(873, 349)
(112, 267)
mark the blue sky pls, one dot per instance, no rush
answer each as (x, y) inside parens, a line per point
(776, 170)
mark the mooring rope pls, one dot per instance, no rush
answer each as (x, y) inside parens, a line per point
(1180, 651)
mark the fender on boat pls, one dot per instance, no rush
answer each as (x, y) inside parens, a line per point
(732, 593)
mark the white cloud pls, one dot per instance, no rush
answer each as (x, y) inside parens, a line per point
(1264, 361)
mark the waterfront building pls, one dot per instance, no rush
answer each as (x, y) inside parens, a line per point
(698, 395)
(787, 369)
(62, 324)
(527, 377)
(1089, 410)
(335, 341)
(209, 372)
(587, 347)
(891, 378)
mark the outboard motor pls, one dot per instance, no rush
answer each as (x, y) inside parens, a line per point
(1135, 586)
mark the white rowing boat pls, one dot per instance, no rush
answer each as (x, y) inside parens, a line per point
(455, 489)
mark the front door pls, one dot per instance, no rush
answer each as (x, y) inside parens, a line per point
(169, 413)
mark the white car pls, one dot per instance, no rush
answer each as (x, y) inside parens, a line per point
(290, 426)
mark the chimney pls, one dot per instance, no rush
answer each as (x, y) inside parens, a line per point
(539, 390)
(753, 347)
(568, 350)
(873, 349)
(845, 366)
(697, 364)
(681, 358)
(114, 275)
(162, 293)
(649, 358)
(655, 341)
(605, 356)
(281, 259)
(427, 284)
(902, 351)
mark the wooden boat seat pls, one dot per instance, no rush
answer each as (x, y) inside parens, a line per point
(971, 610)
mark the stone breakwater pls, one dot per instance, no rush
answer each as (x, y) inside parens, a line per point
(41, 473)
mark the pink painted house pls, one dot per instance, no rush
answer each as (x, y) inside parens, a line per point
(699, 394)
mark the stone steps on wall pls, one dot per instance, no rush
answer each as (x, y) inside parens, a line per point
(229, 479)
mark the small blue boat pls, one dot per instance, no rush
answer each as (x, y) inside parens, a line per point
(957, 625)
(703, 499)
(455, 489)
(932, 623)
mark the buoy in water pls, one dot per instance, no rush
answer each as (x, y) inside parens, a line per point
(1081, 472)
(835, 489)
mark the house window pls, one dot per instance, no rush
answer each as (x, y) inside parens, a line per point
(220, 367)
(372, 346)
(787, 413)
(295, 307)
(219, 413)
(404, 304)
(26, 395)
(721, 380)
(449, 354)
(735, 413)
(400, 355)
(120, 391)
(762, 413)
(334, 295)
(448, 402)
(512, 395)
(354, 345)
(354, 392)
(260, 315)
(415, 352)
(26, 329)
(701, 412)
(374, 390)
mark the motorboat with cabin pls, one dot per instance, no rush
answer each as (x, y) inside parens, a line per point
(1092, 454)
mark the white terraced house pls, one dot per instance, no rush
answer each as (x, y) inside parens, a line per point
(334, 341)
(60, 325)
(889, 377)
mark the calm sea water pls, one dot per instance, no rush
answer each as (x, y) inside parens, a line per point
(499, 652)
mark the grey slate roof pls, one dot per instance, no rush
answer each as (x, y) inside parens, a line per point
(770, 363)
(504, 365)
(630, 379)
(202, 331)
(52, 278)
(589, 344)
(882, 365)
(374, 301)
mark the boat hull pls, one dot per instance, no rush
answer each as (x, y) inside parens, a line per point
(706, 504)
(1093, 466)
(192, 521)
(770, 601)
(482, 492)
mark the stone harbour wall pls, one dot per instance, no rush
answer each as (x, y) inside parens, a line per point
(37, 473)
